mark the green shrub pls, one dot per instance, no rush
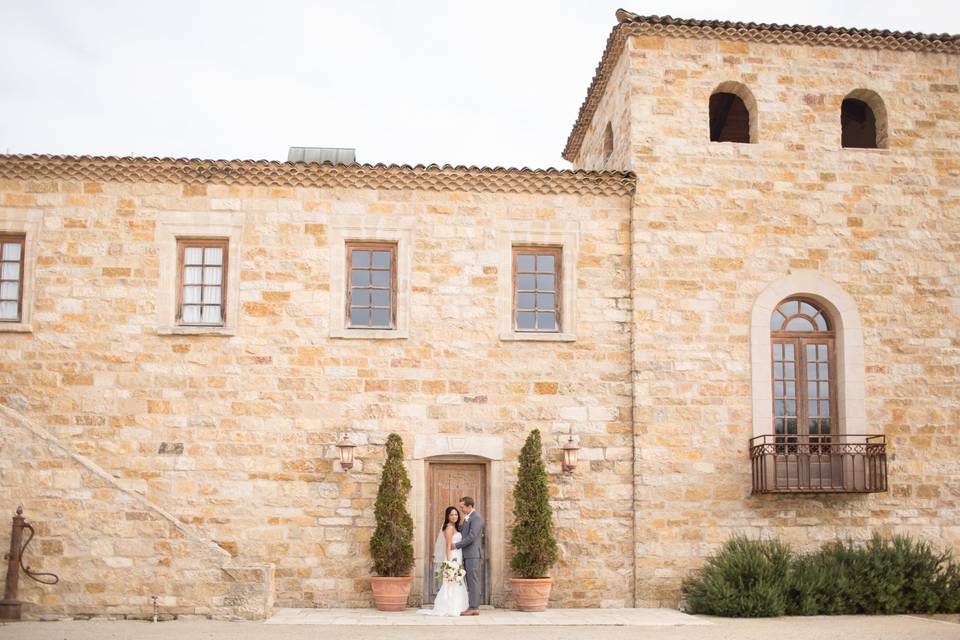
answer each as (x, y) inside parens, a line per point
(750, 578)
(532, 537)
(747, 578)
(392, 542)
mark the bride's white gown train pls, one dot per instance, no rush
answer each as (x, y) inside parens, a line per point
(452, 598)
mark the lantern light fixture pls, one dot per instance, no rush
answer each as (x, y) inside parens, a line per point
(570, 455)
(345, 449)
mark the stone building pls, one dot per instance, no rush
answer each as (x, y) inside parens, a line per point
(760, 239)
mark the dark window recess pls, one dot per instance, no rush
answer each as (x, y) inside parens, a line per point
(729, 118)
(858, 125)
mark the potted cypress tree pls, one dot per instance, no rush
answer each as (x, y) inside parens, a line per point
(532, 537)
(391, 545)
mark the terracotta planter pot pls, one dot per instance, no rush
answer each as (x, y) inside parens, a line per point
(532, 594)
(390, 594)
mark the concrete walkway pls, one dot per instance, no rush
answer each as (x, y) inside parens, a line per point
(490, 617)
(821, 628)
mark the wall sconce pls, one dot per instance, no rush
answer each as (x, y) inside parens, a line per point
(570, 455)
(345, 448)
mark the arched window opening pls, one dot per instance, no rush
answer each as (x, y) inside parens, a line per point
(804, 377)
(729, 118)
(858, 125)
(608, 142)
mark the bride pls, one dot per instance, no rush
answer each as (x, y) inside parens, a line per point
(452, 599)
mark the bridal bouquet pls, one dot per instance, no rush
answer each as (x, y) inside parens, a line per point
(451, 571)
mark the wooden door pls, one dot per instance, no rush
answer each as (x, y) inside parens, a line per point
(448, 482)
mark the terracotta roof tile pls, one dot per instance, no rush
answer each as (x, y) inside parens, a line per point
(299, 174)
(633, 24)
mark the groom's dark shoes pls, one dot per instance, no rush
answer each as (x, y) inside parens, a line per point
(470, 612)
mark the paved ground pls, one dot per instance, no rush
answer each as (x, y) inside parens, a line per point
(820, 628)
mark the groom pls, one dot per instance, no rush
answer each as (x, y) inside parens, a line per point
(471, 541)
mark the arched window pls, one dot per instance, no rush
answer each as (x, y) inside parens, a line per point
(608, 142)
(732, 114)
(863, 121)
(804, 373)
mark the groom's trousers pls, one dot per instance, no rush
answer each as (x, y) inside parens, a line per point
(474, 570)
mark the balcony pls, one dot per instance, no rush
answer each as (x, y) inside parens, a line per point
(845, 463)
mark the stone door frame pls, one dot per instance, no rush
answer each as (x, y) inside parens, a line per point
(486, 450)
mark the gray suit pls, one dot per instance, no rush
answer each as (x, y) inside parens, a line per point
(471, 542)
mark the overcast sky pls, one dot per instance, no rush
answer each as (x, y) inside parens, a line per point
(484, 83)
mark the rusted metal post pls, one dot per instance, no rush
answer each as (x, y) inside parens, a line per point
(10, 606)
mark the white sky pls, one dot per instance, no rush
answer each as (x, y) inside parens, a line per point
(485, 83)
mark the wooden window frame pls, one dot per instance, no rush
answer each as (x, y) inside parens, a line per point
(367, 245)
(800, 340)
(538, 250)
(21, 239)
(184, 243)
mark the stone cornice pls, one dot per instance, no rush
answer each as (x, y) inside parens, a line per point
(298, 174)
(630, 24)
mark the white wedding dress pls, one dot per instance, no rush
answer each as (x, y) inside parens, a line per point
(452, 598)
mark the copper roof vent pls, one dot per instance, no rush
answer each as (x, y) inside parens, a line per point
(319, 155)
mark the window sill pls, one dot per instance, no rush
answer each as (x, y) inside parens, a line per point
(369, 334)
(16, 327)
(195, 331)
(524, 336)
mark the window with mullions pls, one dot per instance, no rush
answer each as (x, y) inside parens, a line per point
(536, 288)
(203, 263)
(372, 293)
(11, 277)
(804, 378)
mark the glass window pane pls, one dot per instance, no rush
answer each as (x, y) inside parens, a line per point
(381, 259)
(546, 301)
(380, 298)
(811, 371)
(211, 295)
(211, 314)
(545, 264)
(212, 275)
(525, 262)
(360, 277)
(792, 426)
(822, 352)
(380, 318)
(812, 389)
(791, 390)
(193, 255)
(546, 321)
(813, 427)
(824, 374)
(825, 425)
(359, 316)
(790, 308)
(788, 352)
(824, 407)
(799, 324)
(824, 390)
(807, 309)
(789, 372)
(192, 275)
(778, 425)
(360, 297)
(778, 389)
(546, 283)
(778, 352)
(10, 271)
(791, 407)
(776, 320)
(191, 295)
(360, 258)
(11, 250)
(213, 255)
(812, 407)
(811, 352)
(525, 300)
(821, 322)
(779, 408)
(526, 283)
(380, 278)
(525, 320)
(9, 290)
(778, 370)
(8, 310)
(191, 314)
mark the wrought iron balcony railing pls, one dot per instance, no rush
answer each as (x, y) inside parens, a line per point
(845, 463)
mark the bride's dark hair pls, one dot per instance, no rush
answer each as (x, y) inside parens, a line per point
(446, 518)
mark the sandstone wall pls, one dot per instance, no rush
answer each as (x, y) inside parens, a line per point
(233, 434)
(716, 223)
(614, 108)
